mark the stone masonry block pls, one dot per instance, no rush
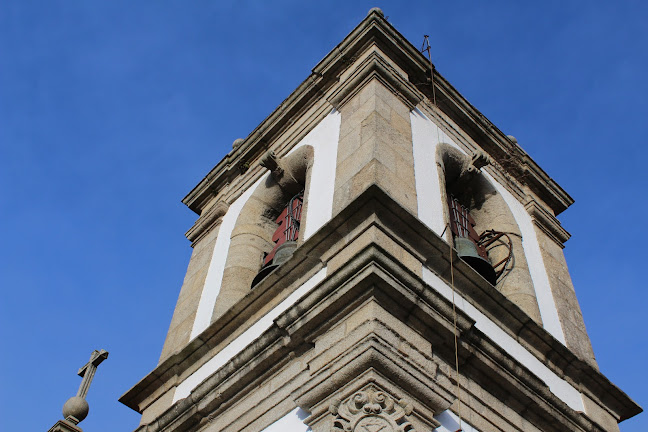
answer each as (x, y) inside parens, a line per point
(400, 123)
(365, 110)
(348, 168)
(242, 249)
(349, 144)
(185, 310)
(368, 91)
(202, 252)
(600, 415)
(392, 183)
(569, 312)
(384, 155)
(180, 334)
(193, 285)
(190, 293)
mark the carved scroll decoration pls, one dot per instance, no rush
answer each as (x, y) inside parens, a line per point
(371, 411)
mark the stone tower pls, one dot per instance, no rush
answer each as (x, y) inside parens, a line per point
(377, 256)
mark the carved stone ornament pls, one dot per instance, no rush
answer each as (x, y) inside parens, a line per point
(270, 161)
(478, 161)
(371, 411)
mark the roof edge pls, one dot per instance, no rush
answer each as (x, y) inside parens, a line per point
(375, 29)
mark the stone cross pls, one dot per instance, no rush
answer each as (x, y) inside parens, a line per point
(88, 370)
(76, 408)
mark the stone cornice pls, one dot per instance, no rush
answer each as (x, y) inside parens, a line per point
(375, 67)
(547, 223)
(206, 222)
(374, 209)
(376, 31)
(487, 361)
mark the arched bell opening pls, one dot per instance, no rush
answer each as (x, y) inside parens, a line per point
(284, 238)
(483, 229)
(256, 231)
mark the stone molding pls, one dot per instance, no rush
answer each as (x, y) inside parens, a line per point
(547, 222)
(207, 220)
(65, 426)
(274, 349)
(375, 32)
(372, 361)
(375, 67)
(353, 282)
(494, 168)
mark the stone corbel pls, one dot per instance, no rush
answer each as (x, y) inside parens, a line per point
(547, 223)
(271, 162)
(469, 170)
(477, 162)
(285, 171)
(208, 219)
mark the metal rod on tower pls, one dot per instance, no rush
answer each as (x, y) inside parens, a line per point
(426, 48)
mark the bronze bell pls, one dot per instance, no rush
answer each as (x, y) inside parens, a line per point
(467, 251)
(284, 252)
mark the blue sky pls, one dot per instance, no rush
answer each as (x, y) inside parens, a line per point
(110, 112)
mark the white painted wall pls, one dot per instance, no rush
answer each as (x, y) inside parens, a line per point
(426, 137)
(291, 422)
(561, 388)
(324, 140)
(450, 423)
(246, 338)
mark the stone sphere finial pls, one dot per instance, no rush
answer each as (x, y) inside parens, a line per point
(377, 10)
(237, 143)
(512, 138)
(76, 407)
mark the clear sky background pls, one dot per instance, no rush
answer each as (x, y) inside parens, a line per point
(111, 111)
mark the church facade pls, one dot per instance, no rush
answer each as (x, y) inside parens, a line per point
(377, 256)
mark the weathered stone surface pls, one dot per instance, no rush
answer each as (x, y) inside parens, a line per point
(187, 305)
(375, 147)
(600, 415)
(386, 321)
(372, 324)
(569, 312)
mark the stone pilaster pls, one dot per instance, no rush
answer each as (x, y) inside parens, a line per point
(185, 312)
(569, 312)
(375, 147)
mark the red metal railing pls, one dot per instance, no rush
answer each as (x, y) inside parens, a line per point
(288, 229)
(463, 225)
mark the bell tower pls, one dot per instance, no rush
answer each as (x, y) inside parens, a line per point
(377, 256)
